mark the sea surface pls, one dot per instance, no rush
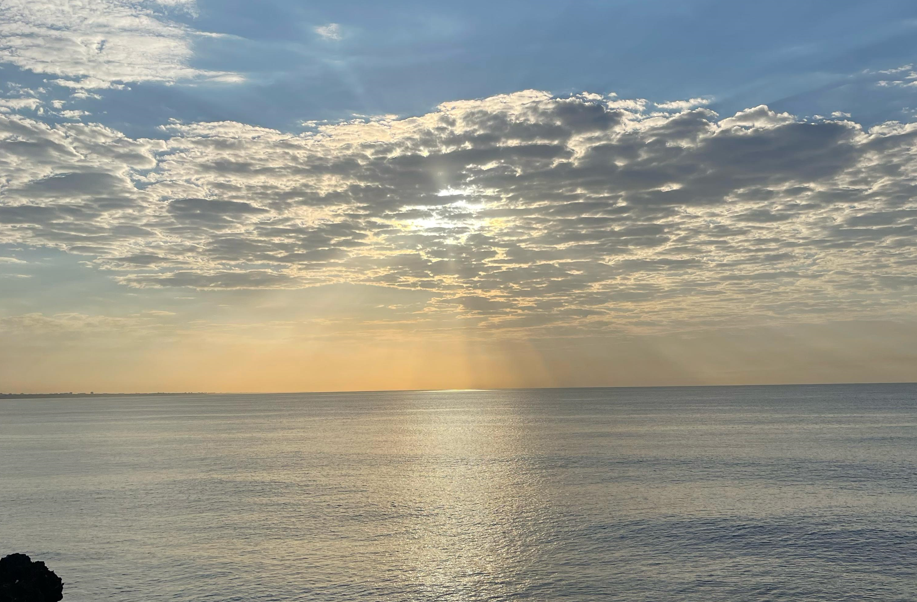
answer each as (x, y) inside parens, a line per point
(727, 493)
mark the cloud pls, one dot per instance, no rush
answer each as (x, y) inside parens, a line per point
(97, 44)
(219, 280)
(683, 105)
(904, 76)
(18, 104)
(516, 212)
(72, 325)
(331, 31)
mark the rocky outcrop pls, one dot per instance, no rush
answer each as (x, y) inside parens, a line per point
(22, 580)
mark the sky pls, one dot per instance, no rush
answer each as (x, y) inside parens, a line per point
(283, 196)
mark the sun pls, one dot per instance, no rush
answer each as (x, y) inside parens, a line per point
(460, 214)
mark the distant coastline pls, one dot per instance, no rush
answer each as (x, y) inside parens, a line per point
(90, 394)
(361, 391)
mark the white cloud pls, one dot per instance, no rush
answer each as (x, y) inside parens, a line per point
(331, 31)
(17, 104)
(899, 77)
(516, 211)
(100, 43)
(73, 114)
(683, 105)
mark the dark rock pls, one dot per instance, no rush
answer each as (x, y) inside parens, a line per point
(22, 580)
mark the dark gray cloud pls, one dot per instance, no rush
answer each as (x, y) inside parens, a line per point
(218, 280)
(212, 214)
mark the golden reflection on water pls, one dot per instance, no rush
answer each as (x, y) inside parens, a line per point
(472, 512)
(692, 494)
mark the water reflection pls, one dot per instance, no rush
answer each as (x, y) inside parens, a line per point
(467, 513)
(799, 493)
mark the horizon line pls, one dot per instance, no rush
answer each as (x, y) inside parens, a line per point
(449, 390)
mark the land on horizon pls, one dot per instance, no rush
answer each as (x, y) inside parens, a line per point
(92, 394)
(686, 386)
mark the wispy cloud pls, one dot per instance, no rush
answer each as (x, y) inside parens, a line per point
(899, 77)
(331, 31)
(100, 43)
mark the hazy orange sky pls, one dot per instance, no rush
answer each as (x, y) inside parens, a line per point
(179, 212)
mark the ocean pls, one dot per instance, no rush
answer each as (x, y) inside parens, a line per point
(701, 493)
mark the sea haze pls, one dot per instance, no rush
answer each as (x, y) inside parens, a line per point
(745, 493)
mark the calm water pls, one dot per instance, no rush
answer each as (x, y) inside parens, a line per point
(758, 493)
